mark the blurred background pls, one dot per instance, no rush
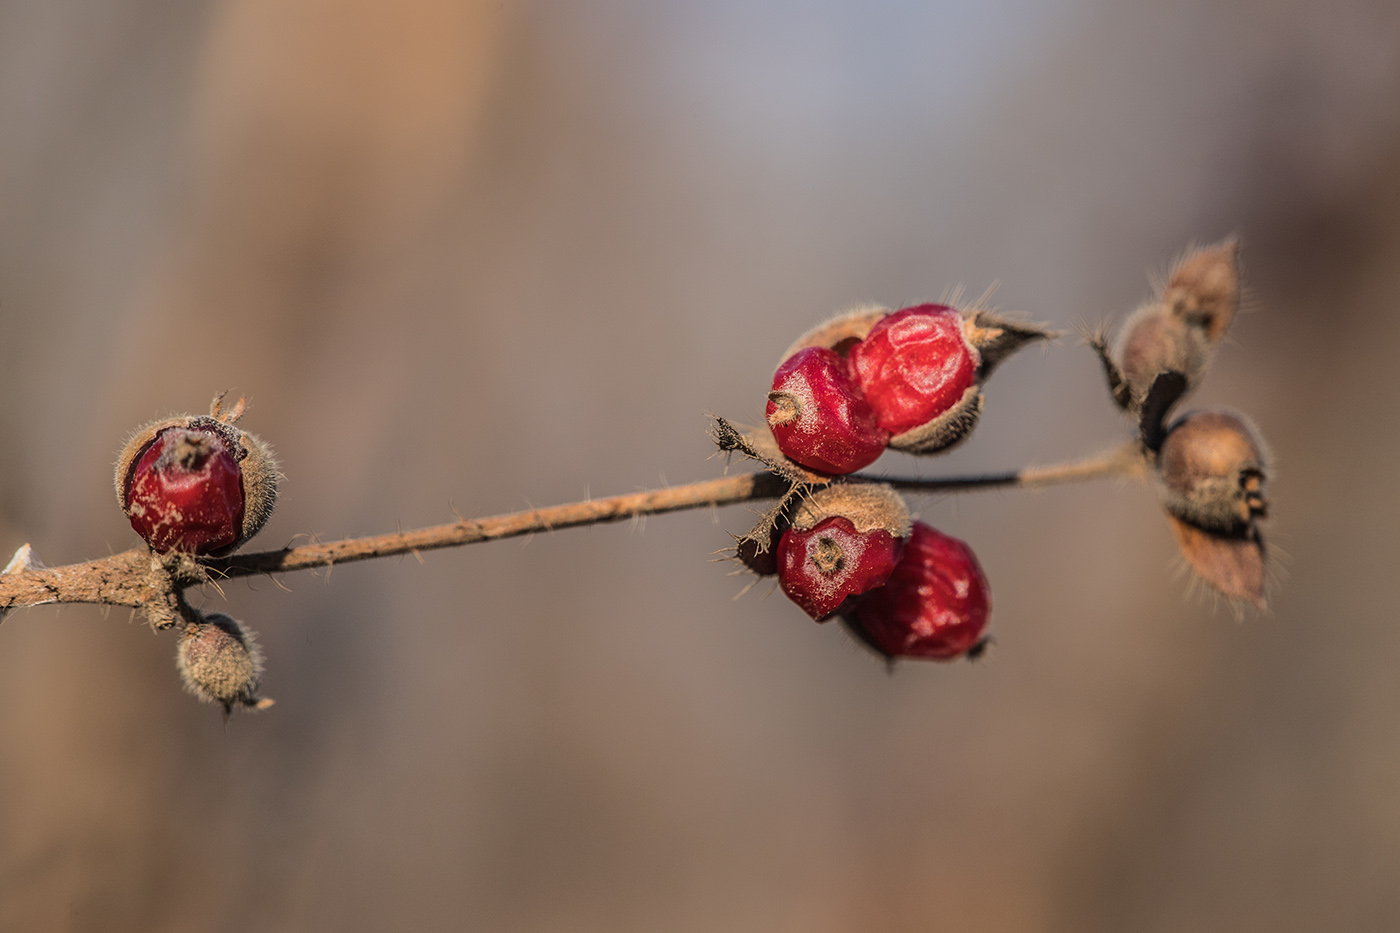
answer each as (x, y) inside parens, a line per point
(484, 255)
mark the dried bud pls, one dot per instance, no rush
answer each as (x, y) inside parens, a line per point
(1204, 289)
(196, 483)
(1155, 341)
(219, 662)
(1179, 330)
(1235, 564)
(1212, 468)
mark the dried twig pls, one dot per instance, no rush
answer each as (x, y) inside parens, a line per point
(141, 580)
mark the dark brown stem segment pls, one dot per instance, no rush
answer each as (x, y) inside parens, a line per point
(127, 579)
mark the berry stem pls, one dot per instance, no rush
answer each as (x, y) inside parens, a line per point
(125, 579)
(1121, 462)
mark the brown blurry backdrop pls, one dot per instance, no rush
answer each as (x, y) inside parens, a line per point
(489, 254)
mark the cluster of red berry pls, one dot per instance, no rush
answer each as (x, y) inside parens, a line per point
(841, 546)
(911, 380)
(871, 379)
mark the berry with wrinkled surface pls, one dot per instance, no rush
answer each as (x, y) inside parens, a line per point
(914, 365)
(935, 605)
(819, 417)
(818, 568)
(186, 493)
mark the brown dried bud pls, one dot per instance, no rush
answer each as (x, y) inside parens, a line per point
(1204, 288)
(1155, 341)
(219, 662)
(1212, 470)
(1177, 331)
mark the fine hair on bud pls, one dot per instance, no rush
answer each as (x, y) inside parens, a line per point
(220, 662)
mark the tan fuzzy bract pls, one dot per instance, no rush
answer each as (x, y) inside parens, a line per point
(869, 506)
(840, 332)
(260, 477)
(1234, 564)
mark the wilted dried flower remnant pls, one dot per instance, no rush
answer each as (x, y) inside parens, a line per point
(1179, 330)
(1210, 466)
(219, 662)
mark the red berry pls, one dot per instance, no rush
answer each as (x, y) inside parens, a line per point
(197, 483)
(821, 566)
(186, 492)
(935, 605)
(914, 365)
(819, 417)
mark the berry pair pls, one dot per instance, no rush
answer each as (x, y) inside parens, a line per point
(846, 390)
(904, 589)
(905, 380)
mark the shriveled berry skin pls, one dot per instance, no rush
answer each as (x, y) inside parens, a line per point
(914, 365)
(935, 604)
(819, 417)
(821, 566)
(186, 492)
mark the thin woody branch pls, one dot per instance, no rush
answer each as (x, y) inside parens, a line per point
(136, 578)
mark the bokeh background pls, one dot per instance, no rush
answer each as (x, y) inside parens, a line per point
(489, 254)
